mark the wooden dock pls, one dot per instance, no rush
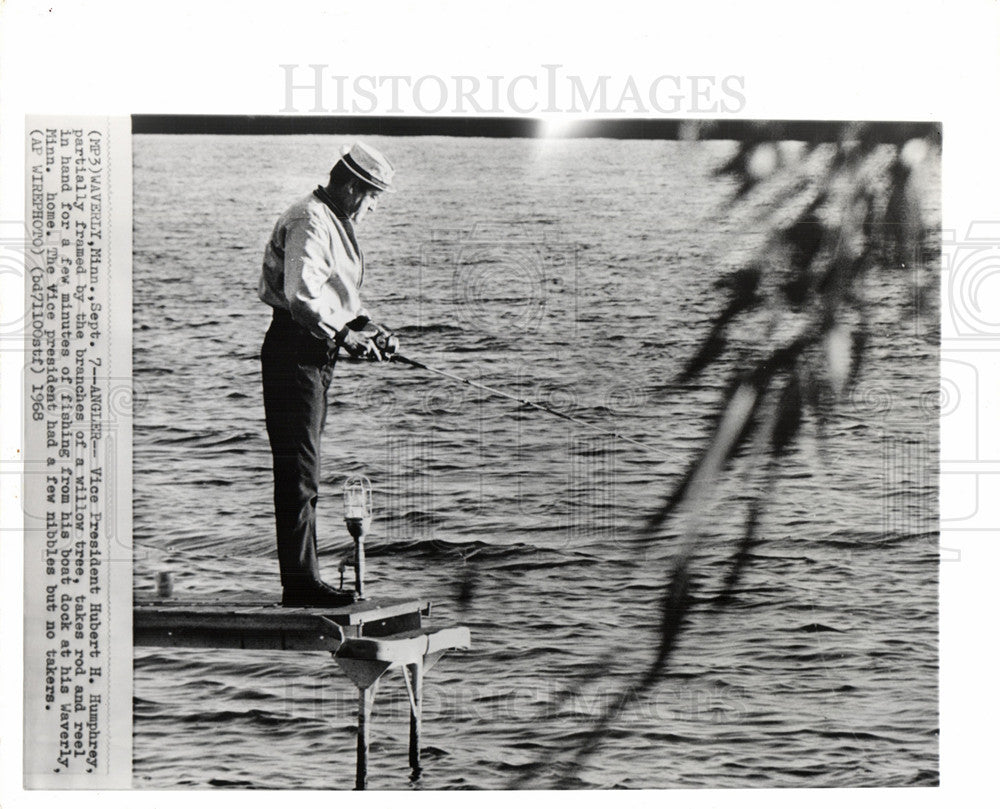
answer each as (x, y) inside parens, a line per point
(366, 639)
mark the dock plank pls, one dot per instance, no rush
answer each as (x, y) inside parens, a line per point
(254, 624)
(359, 612)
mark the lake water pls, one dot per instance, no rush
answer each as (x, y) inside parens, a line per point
(577, 273)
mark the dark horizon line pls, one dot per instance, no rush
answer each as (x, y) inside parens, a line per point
(496, 127)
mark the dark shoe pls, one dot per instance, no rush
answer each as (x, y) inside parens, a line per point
(316, 594)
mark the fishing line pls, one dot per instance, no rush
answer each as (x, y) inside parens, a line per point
(545, 408)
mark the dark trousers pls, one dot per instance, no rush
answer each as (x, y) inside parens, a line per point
(297, 369)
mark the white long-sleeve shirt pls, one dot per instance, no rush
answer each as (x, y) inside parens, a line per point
(313, 268)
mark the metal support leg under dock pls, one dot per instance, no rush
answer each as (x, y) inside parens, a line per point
(366, 701)
(364, 660)
(367, 639)
(414, 674)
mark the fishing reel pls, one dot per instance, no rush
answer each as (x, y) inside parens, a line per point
(386, 342)
(381, 346)
(382, 343)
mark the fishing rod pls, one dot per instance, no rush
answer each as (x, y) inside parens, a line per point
(545, 408)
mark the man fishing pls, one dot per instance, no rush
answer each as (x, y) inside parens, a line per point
(313, 271)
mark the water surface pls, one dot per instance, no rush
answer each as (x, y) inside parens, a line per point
(578, 273)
